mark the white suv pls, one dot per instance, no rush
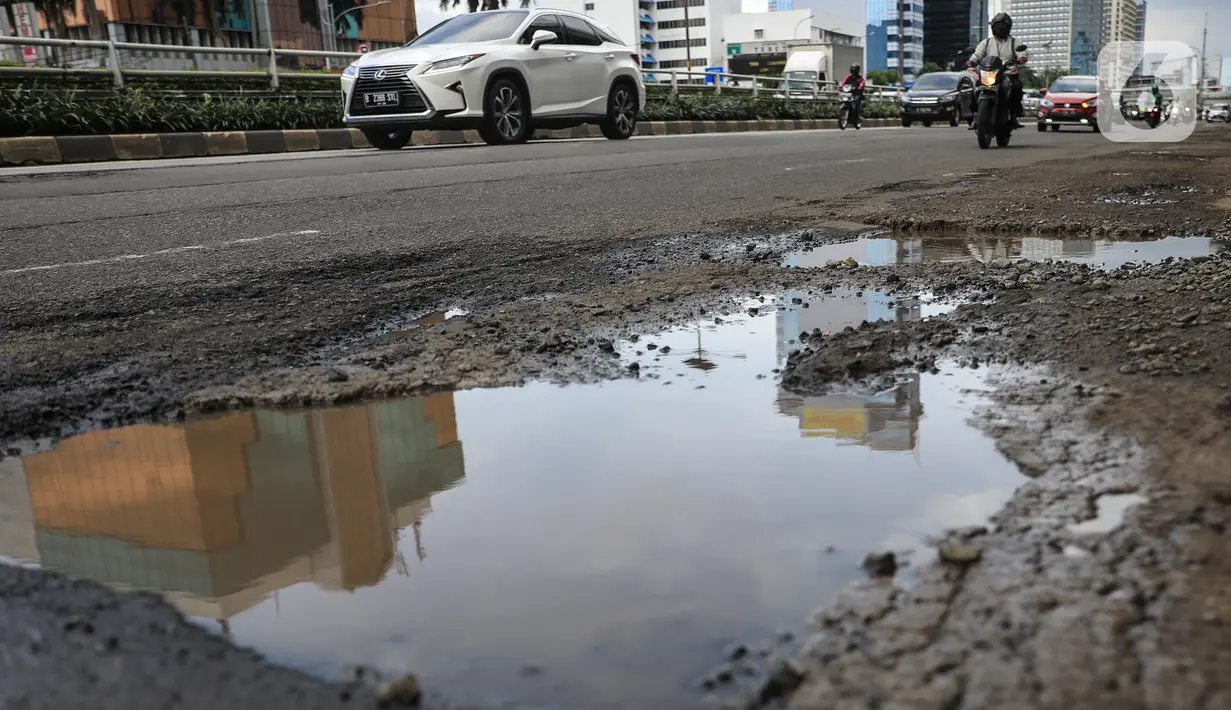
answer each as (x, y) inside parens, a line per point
(504, 72)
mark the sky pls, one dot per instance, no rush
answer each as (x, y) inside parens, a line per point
(1175, 20)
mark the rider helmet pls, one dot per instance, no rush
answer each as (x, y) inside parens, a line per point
(855, 68)
(1002, 25)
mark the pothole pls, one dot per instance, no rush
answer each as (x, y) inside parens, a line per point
(615, 538)
(1110, 254)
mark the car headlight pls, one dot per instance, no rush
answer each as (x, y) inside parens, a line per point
(905, 99)
(1046, 104)
(454, 63)
(1090, 104)
(352, 70)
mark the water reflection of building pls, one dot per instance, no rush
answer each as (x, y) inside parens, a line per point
(888, 421)
(840, 309)
(887, 251)
(219, 513)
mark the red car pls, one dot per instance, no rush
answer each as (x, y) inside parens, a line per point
(1071, 101)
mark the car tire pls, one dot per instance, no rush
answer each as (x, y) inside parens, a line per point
(953, 120)
(906, 123)
(1042, 128)
(506, 113)
(387, 138)
(620, 123)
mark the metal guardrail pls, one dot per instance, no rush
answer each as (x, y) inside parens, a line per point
(119, 73)
(679, 80)
(782, 87)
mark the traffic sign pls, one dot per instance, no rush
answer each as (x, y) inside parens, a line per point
(364, 48)
(732, 50)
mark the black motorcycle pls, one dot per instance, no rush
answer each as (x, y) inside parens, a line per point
(992, 96)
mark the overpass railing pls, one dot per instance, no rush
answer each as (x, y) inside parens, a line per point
(674, 81)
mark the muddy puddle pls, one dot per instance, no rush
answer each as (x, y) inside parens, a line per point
(891, 250)
(583, 547)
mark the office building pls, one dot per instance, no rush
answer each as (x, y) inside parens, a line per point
(671, 36)
(1062, 34)
(895, 36)
(286, 24)
(1141, 21)
(754, 6)
(949, 28)
(1119, 21)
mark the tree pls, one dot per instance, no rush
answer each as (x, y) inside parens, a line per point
(882, 77)
(930, 68)
(479, 5)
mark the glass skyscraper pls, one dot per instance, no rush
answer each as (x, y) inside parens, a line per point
(895, 36)
(949, 27)
(1061, 34)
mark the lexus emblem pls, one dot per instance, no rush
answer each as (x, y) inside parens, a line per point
(381, 74)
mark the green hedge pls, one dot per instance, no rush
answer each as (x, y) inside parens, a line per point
(35, 111)
(729, 107)
(24, 112)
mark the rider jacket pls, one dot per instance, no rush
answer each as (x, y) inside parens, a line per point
(855, 80)
(1002, 48)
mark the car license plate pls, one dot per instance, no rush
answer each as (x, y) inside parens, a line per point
(382, 98)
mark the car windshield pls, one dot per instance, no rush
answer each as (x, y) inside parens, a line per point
(479, 27)
(806, 78)
(1074, 85)
(935, 82)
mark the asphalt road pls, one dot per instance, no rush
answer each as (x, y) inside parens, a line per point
(74, 232)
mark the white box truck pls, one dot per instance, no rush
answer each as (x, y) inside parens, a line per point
(827, 63)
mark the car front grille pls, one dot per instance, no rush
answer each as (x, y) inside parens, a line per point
(391, 78)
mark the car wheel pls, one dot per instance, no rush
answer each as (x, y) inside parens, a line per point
(506, 114)
(953, 120)
(906, 123)
(387, 138)
(621, 121)
(1042, 128)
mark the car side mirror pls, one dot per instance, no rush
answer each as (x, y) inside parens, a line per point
(1042, 92)
(542, 37)
(1020, 48)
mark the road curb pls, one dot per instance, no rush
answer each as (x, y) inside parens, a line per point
(152, 146)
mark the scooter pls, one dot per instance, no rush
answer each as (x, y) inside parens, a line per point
(846, 108)
(992, 96)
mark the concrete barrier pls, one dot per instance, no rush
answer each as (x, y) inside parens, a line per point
(150, 146)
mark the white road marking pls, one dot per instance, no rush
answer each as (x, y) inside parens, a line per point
(160, 252)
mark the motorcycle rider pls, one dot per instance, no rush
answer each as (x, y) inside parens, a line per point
(1001, 44)
(856, 81)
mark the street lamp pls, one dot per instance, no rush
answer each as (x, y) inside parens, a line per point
(795, 32)
(333, 24)
(331, 35)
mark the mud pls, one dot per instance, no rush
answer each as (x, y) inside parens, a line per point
(1134, 400)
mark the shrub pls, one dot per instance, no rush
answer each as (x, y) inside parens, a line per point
(66, 109)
